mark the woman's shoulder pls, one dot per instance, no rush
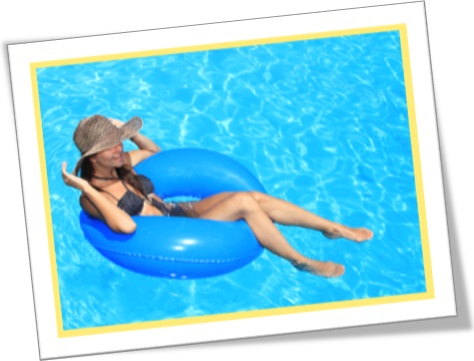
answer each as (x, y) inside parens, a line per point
(89, 207)
(146, 183)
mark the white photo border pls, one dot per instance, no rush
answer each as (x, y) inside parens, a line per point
(437, 301)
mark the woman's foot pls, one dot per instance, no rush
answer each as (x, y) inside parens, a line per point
(325, 269)
(352, 234)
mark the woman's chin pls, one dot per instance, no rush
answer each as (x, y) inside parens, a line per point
(119, 162)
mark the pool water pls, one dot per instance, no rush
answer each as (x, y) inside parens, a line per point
(322, 123)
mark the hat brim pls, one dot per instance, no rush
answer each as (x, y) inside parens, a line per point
(126, 131)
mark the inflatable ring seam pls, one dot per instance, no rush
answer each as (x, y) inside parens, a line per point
(169, 259)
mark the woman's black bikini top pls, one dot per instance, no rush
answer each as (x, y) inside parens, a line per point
(133, 204)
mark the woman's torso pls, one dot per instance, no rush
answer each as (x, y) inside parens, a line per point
(134, 203)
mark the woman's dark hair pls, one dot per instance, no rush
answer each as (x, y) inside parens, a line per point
(125, 173)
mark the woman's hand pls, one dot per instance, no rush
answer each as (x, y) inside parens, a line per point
(146, 146)
(72, 180)
(116, 122)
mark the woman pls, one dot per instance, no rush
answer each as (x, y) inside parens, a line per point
(113, 192)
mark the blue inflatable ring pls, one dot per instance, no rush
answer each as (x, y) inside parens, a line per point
(178, 247)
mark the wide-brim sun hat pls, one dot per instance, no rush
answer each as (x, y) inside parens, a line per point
(97, 133)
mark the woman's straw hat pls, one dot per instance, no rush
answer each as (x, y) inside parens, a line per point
(97, 133)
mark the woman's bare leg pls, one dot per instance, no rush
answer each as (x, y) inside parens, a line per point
(242, 205)
(284, 212)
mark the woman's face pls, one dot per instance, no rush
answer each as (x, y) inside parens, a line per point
(109, 158)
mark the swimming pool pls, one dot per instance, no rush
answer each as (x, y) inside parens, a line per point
(323, 123)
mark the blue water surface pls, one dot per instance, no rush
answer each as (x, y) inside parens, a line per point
(322, 123)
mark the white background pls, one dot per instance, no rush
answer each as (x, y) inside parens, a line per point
(448, 31)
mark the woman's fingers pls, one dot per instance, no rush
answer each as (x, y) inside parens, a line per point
(63, 171)
(66, 175)
(70, 179)
(116, 122)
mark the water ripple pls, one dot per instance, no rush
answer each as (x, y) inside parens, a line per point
(322, 123)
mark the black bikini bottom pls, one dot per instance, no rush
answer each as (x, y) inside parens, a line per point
(175, 210)
(181, 209)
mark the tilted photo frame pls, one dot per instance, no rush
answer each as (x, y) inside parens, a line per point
(333, 112)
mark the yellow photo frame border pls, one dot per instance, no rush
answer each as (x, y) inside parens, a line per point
(428, 294)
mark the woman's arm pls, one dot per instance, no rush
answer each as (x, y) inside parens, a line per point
(147, 149)
(146, 146)
(98, 206)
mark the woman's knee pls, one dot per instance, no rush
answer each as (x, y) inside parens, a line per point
(260, 197)
(245, 202)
